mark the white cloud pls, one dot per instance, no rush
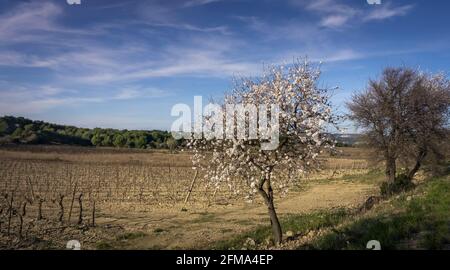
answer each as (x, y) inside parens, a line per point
(21, 99)
(37, 22)
(197, 57)
(129, 93)
(192, 3)
(329, 6)
(37, 99)
(343, 55)
(166, 14)
(15, 59)
(386, 11)
(29, 16)
(186, 26)
(326, 55)
(335, 13)
(334, 20)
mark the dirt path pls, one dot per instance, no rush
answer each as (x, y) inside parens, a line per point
(173, 229)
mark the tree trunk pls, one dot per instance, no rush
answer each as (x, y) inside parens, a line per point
(390, 169)
(268, 199)
(275, 223)
(420, 157)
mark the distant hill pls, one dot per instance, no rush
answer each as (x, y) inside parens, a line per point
(19, 130)
(349, 139)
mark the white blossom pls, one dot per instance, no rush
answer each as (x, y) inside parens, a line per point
(305, 112)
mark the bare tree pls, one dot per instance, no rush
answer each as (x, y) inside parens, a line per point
(240, 163)
(404, 114)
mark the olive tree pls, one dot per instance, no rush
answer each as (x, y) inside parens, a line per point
(289, 107)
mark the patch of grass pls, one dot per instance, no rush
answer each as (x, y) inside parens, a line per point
(243, 222)
(299, 224)
(373, 176)
(102, 245)
(226, 230)
(427, 215)
(119, 241)
(401, 183)
(156, 247)
(41, 244)
(204, 217)
(130, 236)
(259, 235)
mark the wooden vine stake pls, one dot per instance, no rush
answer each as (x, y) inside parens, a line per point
(188, 195)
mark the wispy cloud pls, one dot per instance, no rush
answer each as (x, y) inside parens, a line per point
(28, 98)
(130, 93)
(184, 26)
(37, 22)
(33, 99)
(192, 3)
(333, 13)
(343, 55)
(335, 20)
(327, 6)
(210, 56)
(29, 17)
(387, 11)
(336, 13)
(166, 14)
(328, 56)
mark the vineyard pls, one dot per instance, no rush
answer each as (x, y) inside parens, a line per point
(53, 190)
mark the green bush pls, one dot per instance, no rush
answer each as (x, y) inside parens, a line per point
(401, 183)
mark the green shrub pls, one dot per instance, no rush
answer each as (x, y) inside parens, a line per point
(401, 183)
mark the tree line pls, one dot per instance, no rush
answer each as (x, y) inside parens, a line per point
(21, 130)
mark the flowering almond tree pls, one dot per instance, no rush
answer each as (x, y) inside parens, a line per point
(290, 108)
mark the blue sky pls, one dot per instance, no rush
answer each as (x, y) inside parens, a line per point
(124, 64)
